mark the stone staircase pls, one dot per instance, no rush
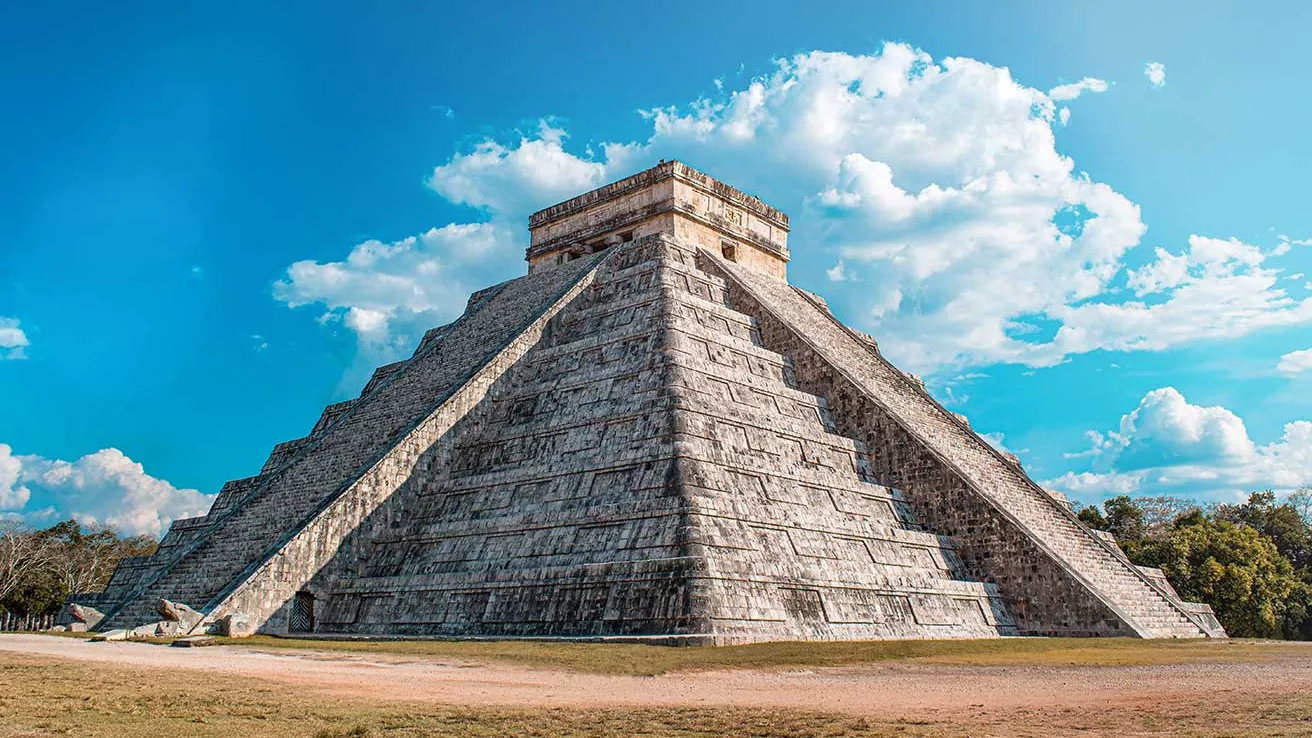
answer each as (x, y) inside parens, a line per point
(1144, 607)
(306, 474)
(826, 528)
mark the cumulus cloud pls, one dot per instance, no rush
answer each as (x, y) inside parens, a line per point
(1295, 362)
(512, 181)
(13, 494)
(386, 293)
(13, 341)
(1168, 445)
(104, 487)
(1155, 72)
(931, 193)
(1214, 289)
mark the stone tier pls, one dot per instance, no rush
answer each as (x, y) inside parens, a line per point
(1055, 575)
(604, 491)
(398, 398)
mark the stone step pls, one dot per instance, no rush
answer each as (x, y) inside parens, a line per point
(992, 476)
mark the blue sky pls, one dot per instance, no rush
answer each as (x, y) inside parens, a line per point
(215, 221)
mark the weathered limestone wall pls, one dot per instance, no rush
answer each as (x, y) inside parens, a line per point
(627, 206)
(1054, 575)
(697, 232)
(646, 470)
(554, 507)
(800, 542)
(241, 537)
(670, 198)
(265, 593)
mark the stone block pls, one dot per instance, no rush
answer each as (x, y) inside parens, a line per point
(234, 625)
(184, 618)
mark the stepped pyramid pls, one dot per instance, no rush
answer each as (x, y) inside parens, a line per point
(651, 434)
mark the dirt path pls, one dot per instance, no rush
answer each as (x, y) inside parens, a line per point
(873, 690)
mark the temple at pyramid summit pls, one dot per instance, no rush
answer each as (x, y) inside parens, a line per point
(651, 435)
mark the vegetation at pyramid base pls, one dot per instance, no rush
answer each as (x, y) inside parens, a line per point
(1251, 562)
(39, 568)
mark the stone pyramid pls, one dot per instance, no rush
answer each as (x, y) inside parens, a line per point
(652, 435)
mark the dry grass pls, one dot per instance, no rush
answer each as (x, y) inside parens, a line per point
(40, 696)
(645, 660)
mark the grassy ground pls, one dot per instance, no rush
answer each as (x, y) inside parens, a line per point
(46, 697)
(40, 697)
(644, 660)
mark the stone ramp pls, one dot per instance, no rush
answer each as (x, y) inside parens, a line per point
(880, 402)
(243, 536)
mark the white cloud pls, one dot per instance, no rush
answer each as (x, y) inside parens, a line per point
(1214, 289)
(837, 273)
(104, 487)
(1081, 485)
(1165, 424)
(1168, 446)
(1295, 362)
(959, 235)
(1155, 72)
(996, 440)
(13, 341)
(1286, 244)
(386, 293)
(13, 494)
(1073, 90)
(513, 181)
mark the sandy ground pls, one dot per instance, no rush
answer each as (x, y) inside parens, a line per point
(872, 690)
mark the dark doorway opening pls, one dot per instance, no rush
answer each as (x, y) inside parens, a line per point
(302, 620)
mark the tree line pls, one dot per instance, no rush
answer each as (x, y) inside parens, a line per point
(40, 567)
(1251, 561)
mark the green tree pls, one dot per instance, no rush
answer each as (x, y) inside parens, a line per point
(1282, 523)
(1124, 518)
(40, 568)
(1092, 517)
(85, 556)
(1235, 569)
